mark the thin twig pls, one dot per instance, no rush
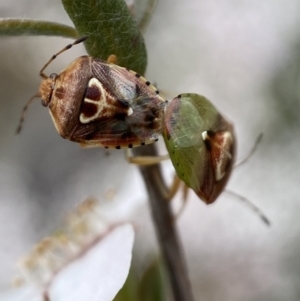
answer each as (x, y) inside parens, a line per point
(164, 223)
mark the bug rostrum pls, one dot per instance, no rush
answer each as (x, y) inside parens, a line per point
(98, 103)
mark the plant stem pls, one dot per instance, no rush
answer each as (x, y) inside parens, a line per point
(164, 223)
(26, 27)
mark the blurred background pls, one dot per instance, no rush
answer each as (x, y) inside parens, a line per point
(242, 55)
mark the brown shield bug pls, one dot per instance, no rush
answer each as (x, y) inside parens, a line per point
(98, 103)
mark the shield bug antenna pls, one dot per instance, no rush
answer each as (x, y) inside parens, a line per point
(19, 128)
(240, 197)
(253, 207)
(44, 76)
(78, 41)
(252, 151)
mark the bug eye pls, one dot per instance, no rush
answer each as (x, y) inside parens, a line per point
(53, 75)
(45, 103)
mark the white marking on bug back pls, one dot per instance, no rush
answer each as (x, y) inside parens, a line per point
(104, 108)
(100, 104)
(218, 173)
(225, 156)
(204, 135)
(130, 111)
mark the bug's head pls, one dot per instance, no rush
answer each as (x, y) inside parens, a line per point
(46, 89)
(48, 83)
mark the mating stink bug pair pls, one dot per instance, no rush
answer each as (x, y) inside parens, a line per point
(98, 103)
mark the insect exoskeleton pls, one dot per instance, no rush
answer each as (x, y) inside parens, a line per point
(201, 144)
(97, 103)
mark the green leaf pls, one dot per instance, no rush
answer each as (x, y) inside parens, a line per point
(129, 290)
(18, 27)
(111, 30)
(152, 286)
(149, 287)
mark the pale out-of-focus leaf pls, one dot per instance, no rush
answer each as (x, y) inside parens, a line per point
(87, 259)
(100, 273)
(25, 293)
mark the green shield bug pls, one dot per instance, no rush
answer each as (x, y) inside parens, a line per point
(201, 144)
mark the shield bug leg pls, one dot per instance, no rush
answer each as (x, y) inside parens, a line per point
(175, 186)
(257, 141)
(144, 160)
(254, 208)
(185, 190)
(176, 183)
(112, 59)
